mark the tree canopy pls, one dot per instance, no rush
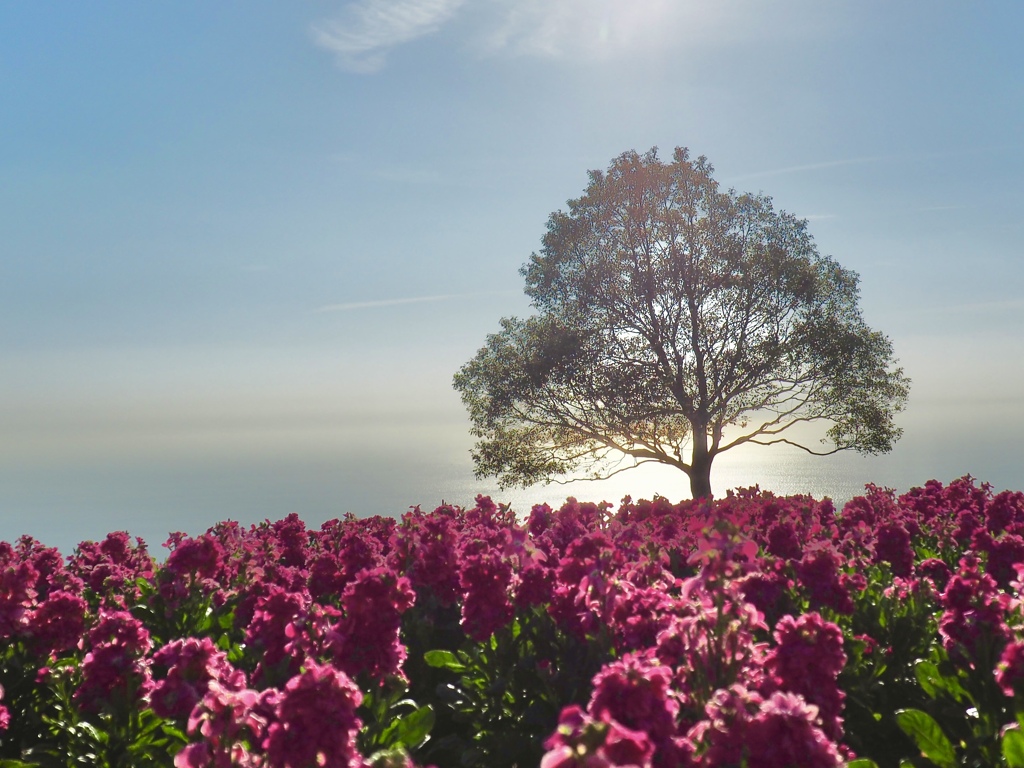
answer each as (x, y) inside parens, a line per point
(676, 321)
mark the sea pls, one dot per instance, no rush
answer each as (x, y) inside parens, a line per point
(63, 502)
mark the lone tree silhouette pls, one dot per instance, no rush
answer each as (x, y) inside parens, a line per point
(676, 321)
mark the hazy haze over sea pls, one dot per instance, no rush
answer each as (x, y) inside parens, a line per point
(109, 460)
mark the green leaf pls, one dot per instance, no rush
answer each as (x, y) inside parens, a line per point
(385, 758)
(18, 764)
(861, 762)
(929, 678)
(444, 660)
(928, 736)
(414, 728)
(933, 681)
(1013, 748)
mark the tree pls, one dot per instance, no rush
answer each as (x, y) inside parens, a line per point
(676, 321)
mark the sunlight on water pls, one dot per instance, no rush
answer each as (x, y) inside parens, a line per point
(779, 470)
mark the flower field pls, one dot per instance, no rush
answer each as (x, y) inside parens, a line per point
(753, 631)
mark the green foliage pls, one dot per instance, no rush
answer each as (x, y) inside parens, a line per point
(928, 736)
(879, 677)
(392, 722)
(501, 696)
(1012, 748)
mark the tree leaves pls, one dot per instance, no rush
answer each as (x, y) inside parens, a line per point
(671, 313)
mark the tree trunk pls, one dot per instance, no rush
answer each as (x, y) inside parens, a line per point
(700, 466)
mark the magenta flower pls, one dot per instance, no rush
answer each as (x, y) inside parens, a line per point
(819, 575)
(315, 721)
(937, 571)
(777, 732)
(345, 551)
(111, 567)
(972, 625)
(272, 631)
(424, 549)
(1004, 511)
(57, 623)
(191, 558)
(581, 583)
(1004, 554)
(231, 727)
(784, 542)
(893, 546)
(637, 615)
(582, 741)
(807, 660)
(366, 639)
(115, 669)
(17, 596)
(636, 692)
(191, 664)
(1009, 671)
(765, 589)
(485, 579)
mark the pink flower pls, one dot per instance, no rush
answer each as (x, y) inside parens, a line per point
(425, 550)
(366, 639)
(271, 631)
(17, 596)
(191, 665)
(783, 541)
(784, 734)
(1010, 669)
(819, 576)
(777, 732)
(57, 624)
(231, 726)
(582, 741)
(111, 567)
(115, 670)
(636, 692)
(972, 624)
(316, 722)
(191, 558)
(807, 660)
(893, 546)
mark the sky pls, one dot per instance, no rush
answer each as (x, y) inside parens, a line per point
(244, 246)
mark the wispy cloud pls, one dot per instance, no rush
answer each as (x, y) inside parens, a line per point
(808, 167)
(369, 29)
(589, 28)
(351, 305)
(993, 307)
(1005, 305)
(942, 208)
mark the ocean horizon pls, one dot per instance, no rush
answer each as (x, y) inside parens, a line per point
(64, 503)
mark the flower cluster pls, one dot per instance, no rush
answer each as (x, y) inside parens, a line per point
(752, 630)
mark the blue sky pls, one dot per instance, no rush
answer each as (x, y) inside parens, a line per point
(245, 245)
